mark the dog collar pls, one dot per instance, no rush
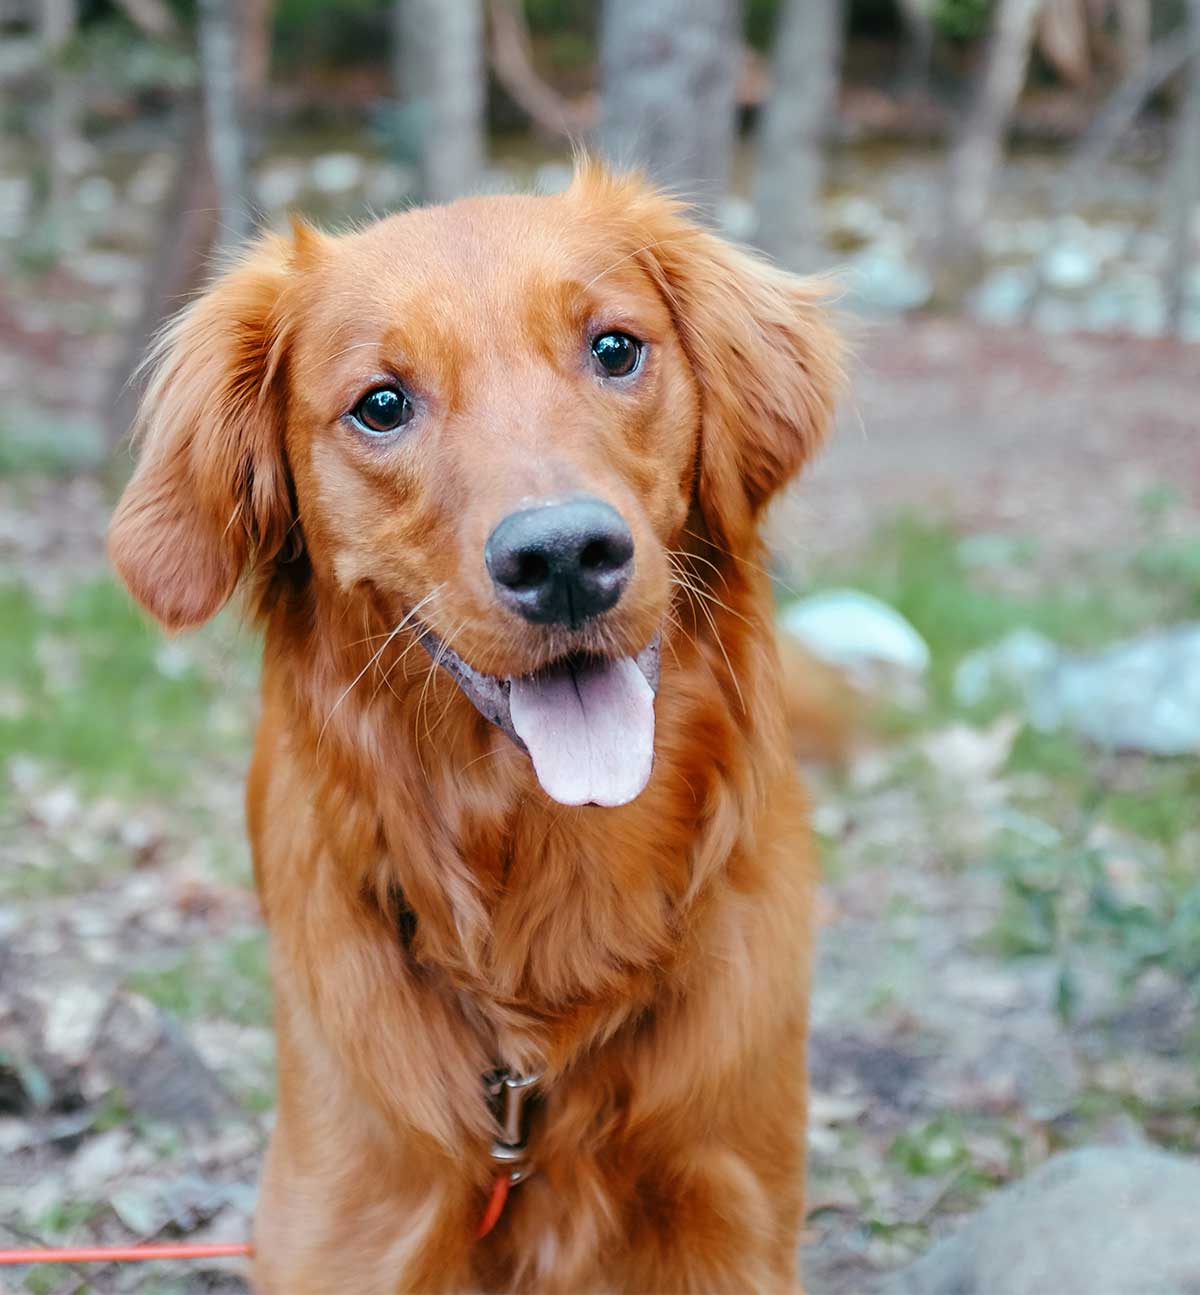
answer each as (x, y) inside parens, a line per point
(508, 1095)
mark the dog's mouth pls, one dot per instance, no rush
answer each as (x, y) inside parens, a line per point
(587, 722)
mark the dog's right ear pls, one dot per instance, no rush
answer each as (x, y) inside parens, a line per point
(210, 496)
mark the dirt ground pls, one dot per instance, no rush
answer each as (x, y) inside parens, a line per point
(972, 1011)
(990, 429)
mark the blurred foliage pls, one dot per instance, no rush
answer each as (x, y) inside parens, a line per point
(948, 588)
(962, 20)
(225, 979)
(342, 32)
(39, 441)
(115, 56)
(91, 688)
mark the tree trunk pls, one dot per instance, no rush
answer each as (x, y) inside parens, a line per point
(978, 151)
(187, 231)
(63, 144)
(668, 77)
(253, 72)
(439, 70)
(512, 62)
(218, 35)
(917, 61)
(1183, 181)
(1134, 27)
(790, 163)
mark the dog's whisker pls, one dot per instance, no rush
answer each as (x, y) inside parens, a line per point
(702, 592)
(716, 635)
(405, 620)
(746, 562)
(629, 256)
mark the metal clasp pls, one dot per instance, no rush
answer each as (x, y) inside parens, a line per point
(509, 1094)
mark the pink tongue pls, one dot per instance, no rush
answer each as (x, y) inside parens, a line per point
(589, 730)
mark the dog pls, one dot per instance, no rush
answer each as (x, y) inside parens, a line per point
(522, 806)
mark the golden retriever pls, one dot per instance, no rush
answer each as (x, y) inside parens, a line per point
(522, 803)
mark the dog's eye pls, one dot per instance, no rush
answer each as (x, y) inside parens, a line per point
(617, 354)
(383, 410)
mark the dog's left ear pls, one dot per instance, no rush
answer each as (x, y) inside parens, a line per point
(210, 496)
(766, 356)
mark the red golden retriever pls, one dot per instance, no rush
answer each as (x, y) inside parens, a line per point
(522, 806)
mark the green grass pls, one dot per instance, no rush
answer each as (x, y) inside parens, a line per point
(92, 689)
(34, 441)
(1059, 898)
(1173, 566)
(226, 980)
(960, 594)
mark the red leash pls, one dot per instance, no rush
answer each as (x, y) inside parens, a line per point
(495, 1206)
(235, 1250)
(124, 1254)
(510, 1091)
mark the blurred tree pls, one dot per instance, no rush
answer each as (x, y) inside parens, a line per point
(208, 207)
(917, 64)
(63, 144)
(512, 61)
(1064, 37)
(253, 70)
(218, 39)
(1134, 26)
(668, 76)
(796, 119)
(976, 154)
(439, 74)
(1183, 178)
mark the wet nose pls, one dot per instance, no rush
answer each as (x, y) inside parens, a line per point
(559, 564)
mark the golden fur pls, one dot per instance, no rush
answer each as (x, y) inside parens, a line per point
(651, 959)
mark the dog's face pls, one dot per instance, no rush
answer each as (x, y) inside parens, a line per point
(493, 419)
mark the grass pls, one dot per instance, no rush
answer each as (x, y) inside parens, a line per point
(1111, 875)
(90, 688)
(225, 980)
(960, 594)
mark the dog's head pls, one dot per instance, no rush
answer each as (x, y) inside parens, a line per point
(496, 417)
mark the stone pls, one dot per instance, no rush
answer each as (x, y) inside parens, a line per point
(389, 185)
(553, 177)
(881, 279)
(1101, 1221)
(96, 195)
(1004, 297)
(145, 1056)
(337, 172)
(1070, 266)
(279, 184)
(1141, 695)
(1006, 669)
(860, 633)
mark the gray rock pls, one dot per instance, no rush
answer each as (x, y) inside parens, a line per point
(149, 184)
(1070, 266)
(1004, 296)
(96, 195)
(553, 177)
(1143, 695)
(280, 183)
(1010, 668)
(881, 279)
(389, 185)
(858, 632)
(337, 172)
(1103, 1221)
(142, 1054)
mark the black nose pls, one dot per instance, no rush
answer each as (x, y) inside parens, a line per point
(561, 563)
